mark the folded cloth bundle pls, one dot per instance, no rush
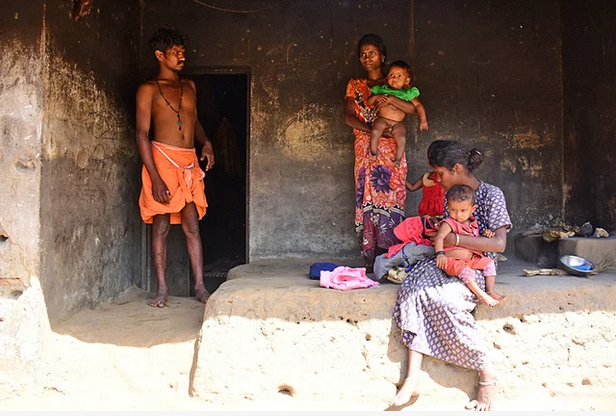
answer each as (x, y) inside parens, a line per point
(346, 278)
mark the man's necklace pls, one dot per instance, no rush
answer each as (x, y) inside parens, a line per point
(169, 104)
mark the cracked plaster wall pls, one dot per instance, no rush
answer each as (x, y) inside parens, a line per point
(489, 73)
(23, 323)
(589, 66)
(69, 222)
(90, 224)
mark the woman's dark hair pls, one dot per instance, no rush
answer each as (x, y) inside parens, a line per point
(375, 40)
(461, 193)
(447, 153)
(401, 65)
(166, 38)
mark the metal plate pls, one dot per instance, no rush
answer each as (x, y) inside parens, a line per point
(577, 266)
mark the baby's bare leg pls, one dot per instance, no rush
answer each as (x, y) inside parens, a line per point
(378, 127)
(481, 295)
(467, 275)
(490, 281)
(399, 133)
(490, 274)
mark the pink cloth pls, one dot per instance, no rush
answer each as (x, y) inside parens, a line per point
(346, 278)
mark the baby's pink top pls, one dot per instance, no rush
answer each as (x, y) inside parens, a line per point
(470, 228)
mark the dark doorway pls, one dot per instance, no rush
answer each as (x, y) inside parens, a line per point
(222, 105)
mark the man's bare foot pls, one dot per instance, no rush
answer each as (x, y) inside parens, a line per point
(409, 389)
(202, 294)
(160, 300)
(495, 295)
(488, 300)
(486, 393)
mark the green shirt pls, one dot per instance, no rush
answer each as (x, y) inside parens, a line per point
(406, 94)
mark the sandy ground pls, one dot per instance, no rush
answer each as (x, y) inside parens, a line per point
(125, 355)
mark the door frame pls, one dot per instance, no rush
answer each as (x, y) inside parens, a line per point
(234, 70)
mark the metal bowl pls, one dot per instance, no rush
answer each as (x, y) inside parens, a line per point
(577, 266)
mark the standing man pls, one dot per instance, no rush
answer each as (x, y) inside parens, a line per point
(173, 191)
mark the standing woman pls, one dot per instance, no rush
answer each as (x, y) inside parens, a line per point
(380, 191)
(433, 310)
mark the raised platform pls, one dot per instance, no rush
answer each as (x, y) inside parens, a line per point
(592, 249)
(535, 250)
(271, 329)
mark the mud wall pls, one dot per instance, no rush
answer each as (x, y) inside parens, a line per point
(489, 72)
(589, 69)
(90, 224)
(22, 312)
(21, 69)
(492, 78)
(70, 232)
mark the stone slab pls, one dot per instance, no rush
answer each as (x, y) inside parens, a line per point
(269, 329)
(590, 248)
(534, 249)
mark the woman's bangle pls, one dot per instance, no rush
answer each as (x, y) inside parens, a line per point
(457, 239)
(438, 253)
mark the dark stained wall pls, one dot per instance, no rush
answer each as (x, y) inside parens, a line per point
(22, 308)
(589, 67)
(21, 103)
(301, 55)
(491, 76)
(489, 72)
(90, 224)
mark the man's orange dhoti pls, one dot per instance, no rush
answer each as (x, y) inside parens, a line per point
(179, 169)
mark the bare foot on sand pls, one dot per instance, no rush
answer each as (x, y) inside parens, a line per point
(488, 300)
(496, 296)
(409, 389)
(201, 294)
(486, 393)
(160, 300)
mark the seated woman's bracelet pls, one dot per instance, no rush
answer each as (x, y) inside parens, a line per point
(457, 239)
(438, 253)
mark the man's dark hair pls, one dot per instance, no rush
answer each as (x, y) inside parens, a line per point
(461, 193)
(374, 40)
(402, 65)
(166, 38)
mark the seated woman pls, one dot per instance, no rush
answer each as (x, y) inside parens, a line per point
(433, 311)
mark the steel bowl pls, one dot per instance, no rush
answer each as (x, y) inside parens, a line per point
(577, 266)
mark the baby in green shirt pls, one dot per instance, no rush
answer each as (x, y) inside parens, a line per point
(393, 102)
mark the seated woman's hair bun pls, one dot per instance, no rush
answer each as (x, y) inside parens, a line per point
(475, 158)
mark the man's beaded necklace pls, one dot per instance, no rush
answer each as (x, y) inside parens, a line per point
(169, 104)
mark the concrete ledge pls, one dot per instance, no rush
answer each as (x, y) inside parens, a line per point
(592, 249)
(534, 249)
(270, 329)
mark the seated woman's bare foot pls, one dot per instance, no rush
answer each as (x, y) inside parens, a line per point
(496, 296)
(202, 294)
(486, 393)
(488, 300)
(160, 300)
(409, 389)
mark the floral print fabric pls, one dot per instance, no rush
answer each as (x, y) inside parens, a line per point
(380, 193)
